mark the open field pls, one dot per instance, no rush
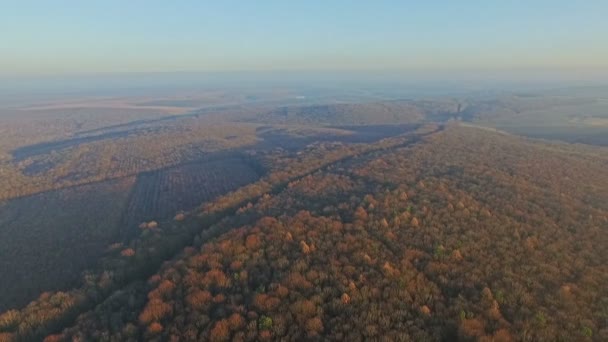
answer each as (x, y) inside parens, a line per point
(48, 239)
(585, 122)
(159, 195)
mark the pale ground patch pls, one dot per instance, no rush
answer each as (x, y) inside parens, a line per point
(596, 122)
(113, 103)
(592, 122)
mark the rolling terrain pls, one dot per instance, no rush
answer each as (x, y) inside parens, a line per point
(406, 219)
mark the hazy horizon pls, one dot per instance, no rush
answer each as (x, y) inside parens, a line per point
(69, 38)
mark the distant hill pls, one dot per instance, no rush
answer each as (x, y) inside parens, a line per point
(389, 112)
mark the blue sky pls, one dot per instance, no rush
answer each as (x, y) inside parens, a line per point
(57, 37)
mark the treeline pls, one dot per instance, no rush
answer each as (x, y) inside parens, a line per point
(387, 112)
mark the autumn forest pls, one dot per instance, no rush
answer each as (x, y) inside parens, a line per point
(442, 219)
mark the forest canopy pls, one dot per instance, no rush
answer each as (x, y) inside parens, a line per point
(461, 233)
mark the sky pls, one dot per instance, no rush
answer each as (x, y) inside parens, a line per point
(80, 37)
